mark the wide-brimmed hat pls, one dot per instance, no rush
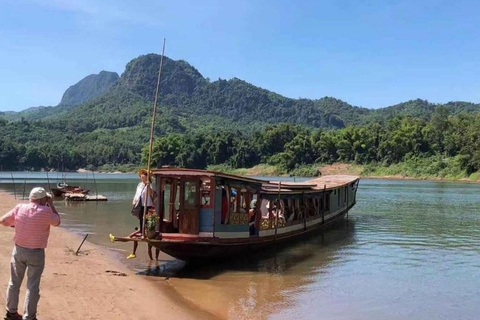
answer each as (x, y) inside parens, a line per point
(38, 193)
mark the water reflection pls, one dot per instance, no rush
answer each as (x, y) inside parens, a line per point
(257, 285)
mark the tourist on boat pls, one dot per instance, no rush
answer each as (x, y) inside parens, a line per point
(32, 223)
(252, 212)
(140, 198)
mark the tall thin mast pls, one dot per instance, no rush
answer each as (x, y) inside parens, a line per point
(152, 129)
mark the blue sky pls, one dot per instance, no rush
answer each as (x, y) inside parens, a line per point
(368, 53)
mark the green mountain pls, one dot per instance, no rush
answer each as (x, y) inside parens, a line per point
(88, 88)
(193, 101)
(108, 101)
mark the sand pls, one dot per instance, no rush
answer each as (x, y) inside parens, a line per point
(93, 284)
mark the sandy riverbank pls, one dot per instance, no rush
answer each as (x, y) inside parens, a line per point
(92, 285)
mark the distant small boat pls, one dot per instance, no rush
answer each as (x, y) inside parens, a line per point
(70, 196)
(63, 188)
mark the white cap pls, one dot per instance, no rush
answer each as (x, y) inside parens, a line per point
(38, 193)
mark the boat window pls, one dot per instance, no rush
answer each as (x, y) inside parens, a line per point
(310, 207)
(281, 209)
(206, 192)
(245, 200)
(291, 216)
(225, 208)
(176, 205)
(301, 208)
(327, 202)
(167, 189)
(316, 207)
(234, 200)
(288, 210)
(264, 209)
(190, 193)
(170, 199)
(292, 206)
(295, 209)
(346, 192)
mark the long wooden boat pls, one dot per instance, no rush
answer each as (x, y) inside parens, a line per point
(63, 188)
(204, 214)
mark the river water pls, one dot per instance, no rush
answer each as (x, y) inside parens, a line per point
(408, 250)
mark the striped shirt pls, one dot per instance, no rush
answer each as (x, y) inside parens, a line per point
(32, 224)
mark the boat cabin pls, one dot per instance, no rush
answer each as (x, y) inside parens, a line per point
(199, 202)
(205, 204)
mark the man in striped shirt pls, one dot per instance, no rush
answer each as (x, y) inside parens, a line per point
(32, 223)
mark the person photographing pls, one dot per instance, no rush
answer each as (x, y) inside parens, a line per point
(32, 223)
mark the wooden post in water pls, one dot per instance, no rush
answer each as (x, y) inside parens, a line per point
(324, 202)
(48, 180)
(304, 212)
(14, 191)
(24, 184)
(347, 198)
(95, 183)
(157, 91)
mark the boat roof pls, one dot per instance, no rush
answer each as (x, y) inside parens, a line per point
(203, 173)
(324, 182)
(317, 184)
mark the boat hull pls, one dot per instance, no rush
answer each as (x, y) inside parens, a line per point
(201, 250)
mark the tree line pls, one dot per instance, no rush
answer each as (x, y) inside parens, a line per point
(34, 145)
(289, 146)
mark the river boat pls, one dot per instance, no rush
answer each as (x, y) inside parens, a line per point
(204, 214)
(63, 188)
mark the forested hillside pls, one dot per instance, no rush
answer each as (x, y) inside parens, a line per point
(197, 115)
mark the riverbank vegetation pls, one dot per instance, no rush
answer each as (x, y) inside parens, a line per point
(445, 147)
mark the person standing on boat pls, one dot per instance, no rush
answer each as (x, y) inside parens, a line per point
(32, 223)
(143, 189)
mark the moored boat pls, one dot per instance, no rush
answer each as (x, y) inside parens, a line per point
(204, 214)
(63, 188)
